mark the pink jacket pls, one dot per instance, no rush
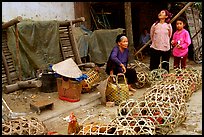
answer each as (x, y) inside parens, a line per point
(160, 35)
(185, 41)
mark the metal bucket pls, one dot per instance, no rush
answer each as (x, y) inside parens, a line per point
(49, 83)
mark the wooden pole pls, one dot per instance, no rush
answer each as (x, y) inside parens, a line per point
(128, 26)
(18, 52)
(172, 20)
(11, 22)
(181, 11)
(22, 85)
(74, 45)
(67, 23)
(91, 11)
(196, 33)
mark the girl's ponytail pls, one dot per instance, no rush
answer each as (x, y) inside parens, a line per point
(168, 19)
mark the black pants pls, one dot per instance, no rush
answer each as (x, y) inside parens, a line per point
(131, 76)
(155, 59)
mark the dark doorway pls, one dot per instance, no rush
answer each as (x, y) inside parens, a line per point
(136, 26)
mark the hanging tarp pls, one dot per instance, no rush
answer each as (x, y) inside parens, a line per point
(97, 44)
(38, 45)
(82, 36)
(101, 43)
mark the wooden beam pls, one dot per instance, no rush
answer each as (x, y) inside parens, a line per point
(11, 22)
(22, 85)
(181, 11)
(172, 20)
(68, 22)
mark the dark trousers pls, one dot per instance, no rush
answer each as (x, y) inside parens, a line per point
(155, 56)
(131, 76)
(180, 62)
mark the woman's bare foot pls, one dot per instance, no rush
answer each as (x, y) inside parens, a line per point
(131, 93)
(131, 88)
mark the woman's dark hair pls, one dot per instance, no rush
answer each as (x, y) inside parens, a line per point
(118, 38)
(168, 19)
(181, 19)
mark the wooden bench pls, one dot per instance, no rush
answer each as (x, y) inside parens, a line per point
(41, 105)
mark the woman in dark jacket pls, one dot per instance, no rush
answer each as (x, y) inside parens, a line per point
(118, 60)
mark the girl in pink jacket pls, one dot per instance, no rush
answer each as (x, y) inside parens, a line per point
(181, 40)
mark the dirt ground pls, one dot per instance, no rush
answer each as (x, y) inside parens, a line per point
(19, 101)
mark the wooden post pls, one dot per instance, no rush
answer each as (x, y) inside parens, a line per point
(128, 25)
(18, 53)
(74, 45)
(11, 22)
(83, 9)
(91, 11)
(172, 20)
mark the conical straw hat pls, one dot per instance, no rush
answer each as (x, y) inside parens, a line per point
(67, 68)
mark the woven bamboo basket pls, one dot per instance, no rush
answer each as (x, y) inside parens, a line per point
(113, 129)
(137, 126)
(117, 90)
(160, 110)
(24, 126)
(169, 94)
(141, 79)
(193, 75)
(164, 115)
(93, 78)
(156, 75)
(186, 87)
(142, 73)
(190, 79)
(95, 129)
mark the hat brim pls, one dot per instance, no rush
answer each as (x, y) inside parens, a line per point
(67, 68)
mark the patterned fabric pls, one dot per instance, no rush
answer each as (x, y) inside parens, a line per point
(160, 35)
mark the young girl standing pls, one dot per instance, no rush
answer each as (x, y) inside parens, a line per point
(181, 40)
(160, 33)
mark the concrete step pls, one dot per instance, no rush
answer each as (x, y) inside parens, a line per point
(64, 107)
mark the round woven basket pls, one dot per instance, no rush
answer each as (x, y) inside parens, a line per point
(24, 126)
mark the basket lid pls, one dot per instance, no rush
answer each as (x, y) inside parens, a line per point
(67, 68)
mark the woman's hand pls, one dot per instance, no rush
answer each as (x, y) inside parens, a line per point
(111, 72)
(123, 68)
